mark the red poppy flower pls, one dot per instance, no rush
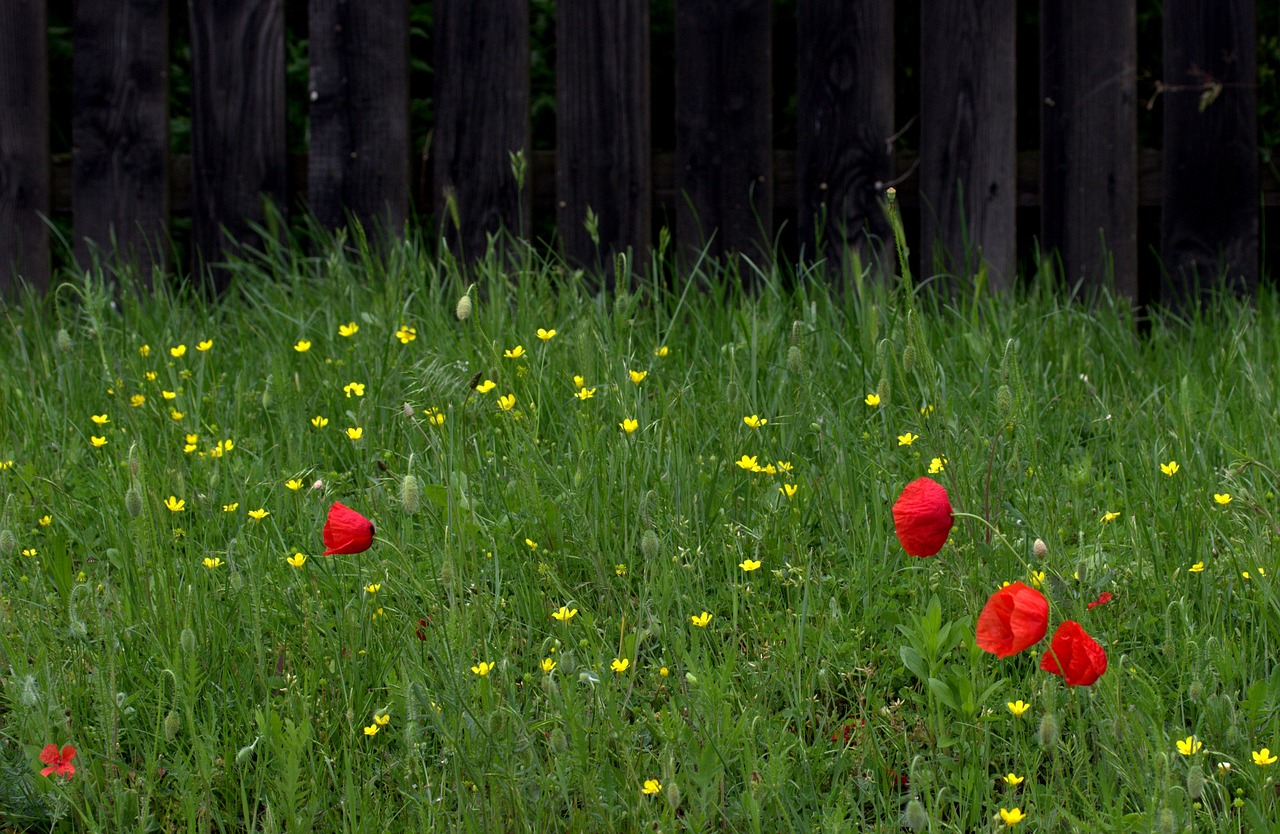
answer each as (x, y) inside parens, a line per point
(1074, 656)
(346, 531)
(922, 517)
(1014, 618)
(58, 762)
(1103, 599)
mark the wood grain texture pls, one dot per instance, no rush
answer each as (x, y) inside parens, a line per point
(1209, 232)
(844, 119)
(24, 147)
(359, 88)
(967, 143)
(1089, 139)
(724, 127)
(482, 117)
(602, 129)
(237, 124)
(120, 132)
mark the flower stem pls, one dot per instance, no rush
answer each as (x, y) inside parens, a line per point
(993, 529)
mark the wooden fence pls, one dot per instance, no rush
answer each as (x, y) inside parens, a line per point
(725, 184)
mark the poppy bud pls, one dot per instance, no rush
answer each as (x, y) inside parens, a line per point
(1195, 783)
(187, 640)
(172, 724)
(1082, 571)
(649, 545)
(1074, 656)
(133, 501)
(135, 465)
(63, 339)
(884, 389)
(463, 311)
(8, 543)
(346, 531)
(797, 328)
(1039, 548)
(29, 692)
(916, 817)
(909, 358)
(922, 517)
(497, 722)
(409, 494)
(1168, 822)
(1016, 617)
(446, 573)
(559, 742)
(672, 792)
(245, 754)
(1195, 691)
(795, 360)
(1047, 735)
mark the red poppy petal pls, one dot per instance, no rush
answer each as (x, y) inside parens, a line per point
(1103, 599)
(346, 531)
(49, 755)
(922, 517)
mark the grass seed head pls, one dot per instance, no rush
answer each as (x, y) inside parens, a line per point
(649, 545)
(8, 543)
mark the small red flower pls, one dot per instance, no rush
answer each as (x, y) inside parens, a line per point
(1103, 599)
(922, 517)
(1014, 618)
(58, 762)
(346, 531)
(1074, 656)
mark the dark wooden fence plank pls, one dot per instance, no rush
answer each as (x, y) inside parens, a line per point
(237, 122)
(844, 119)
(967, 145)
(120, 132)
(602, 127)
(1089, 138)
(24, 146)
(724, 126)
(482, 117)
(1209, 234)
(359, 150)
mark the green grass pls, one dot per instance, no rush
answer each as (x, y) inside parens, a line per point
(236, 697)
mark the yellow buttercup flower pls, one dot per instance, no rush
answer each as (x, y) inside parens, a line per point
(1222, 498)
(258, 514)
(1196, 568)
(546, 335)
(44, 520)
(1263, 757)
(651, 787)
(1170, 468)
(373, 587)
(637, 376)
(482, 668)
(486, 386)
(661, 352)
(514, 353)
(98, 442)
(564, 614)
(755, 421)
(507, 402)
(749, 463)
(701, 620)
(620, 665)
(372, 729)
(205, 345)
(788, 490)
(175, 504)
(406, 334)
(354, 389)
(319, 422)
(382, 719)
(231, 508)
(176, 414)
(749, 565)
(293, 484)
(1013, 817)
(1189, 746)
(100, 419)
(348, 330)
(302, 346)
(150, 376)
(137, 400)
(937, 465)
(579, 381)
(178, 352)
(1109, 517)
(872, 400)
(169, 395)
(784, 466)
(297, 560)
(907, 439)
(145, 350)
(548, 665)
(212, 562)
(629, 425)
(585, 393)
(531, 544)
(1013, 780)
(1037, 578)
(355, 432)
(1018, 707)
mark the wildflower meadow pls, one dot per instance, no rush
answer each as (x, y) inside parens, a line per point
(378, 542)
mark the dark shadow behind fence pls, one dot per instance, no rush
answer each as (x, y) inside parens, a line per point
(726, 184)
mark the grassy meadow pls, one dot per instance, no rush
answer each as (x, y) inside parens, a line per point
(635, 566)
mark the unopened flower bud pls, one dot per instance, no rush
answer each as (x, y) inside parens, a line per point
(1047, 735)
(497, 722)
(797, 327)
(909, 358)
(133, 501)
(916, 817)
(1168, 822)
(672, 792)
(172, 724)
(1196, 690)
(63, 340)
(884, 389)
(1195, 783)
(29, 692)
(1082, 571)
(446, 573)
(266, 393)
(559, 742)
(245, 754)
(795, 360)
(135, 465)
(1004, 401)
(649, 545)
(409, 494)
(8, 543)
(187, 640)
(1039, 548)
(463, 311)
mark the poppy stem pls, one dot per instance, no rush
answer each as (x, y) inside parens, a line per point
(992, 528)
